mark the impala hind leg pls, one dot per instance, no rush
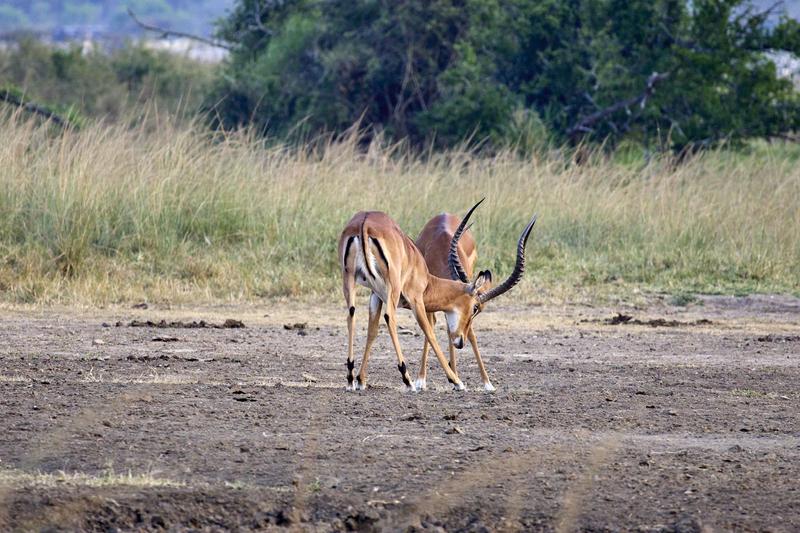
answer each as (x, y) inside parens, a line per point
(375, 305)
(451, 347)
(487, 385)
(422, 319)
(391, 321)
(422, 376)
(350, 299)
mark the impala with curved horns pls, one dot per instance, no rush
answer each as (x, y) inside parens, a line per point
(375, 253)
(449, 251)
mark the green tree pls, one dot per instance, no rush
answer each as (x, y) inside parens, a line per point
(659, 72)
(108, 85)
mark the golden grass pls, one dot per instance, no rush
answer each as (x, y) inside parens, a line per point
(18, 478)
(151, 377)
(14, 379)
(176, 214)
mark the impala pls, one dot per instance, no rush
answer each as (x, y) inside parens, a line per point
(449, 251)
(375, 253)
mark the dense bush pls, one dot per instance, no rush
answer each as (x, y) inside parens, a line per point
(509, 72)
(104, 84)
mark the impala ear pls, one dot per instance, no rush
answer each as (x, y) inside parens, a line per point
(483, 277)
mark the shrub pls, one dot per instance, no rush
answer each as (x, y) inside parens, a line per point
(446, 70)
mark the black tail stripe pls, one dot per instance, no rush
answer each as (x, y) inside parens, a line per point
(347, 251)
(380, 251)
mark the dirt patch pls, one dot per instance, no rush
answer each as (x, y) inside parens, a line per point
(778, 338)
(299, 327)
(621, 318)
(229, 323)
(591, 428)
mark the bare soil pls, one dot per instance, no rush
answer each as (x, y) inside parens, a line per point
(678, 419)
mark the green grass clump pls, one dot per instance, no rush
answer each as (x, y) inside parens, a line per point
(175, 213)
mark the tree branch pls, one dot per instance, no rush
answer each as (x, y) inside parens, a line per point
(683, 43)
(585, 124)
(30, 107)
(257, 11)
(747, 14)
(166, 33)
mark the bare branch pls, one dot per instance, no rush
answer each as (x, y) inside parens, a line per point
(585, 124)
(9, 97)
(747, 14)
(166, 33)
(258, 9)
(683, 43)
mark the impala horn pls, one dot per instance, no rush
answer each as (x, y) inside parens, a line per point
(456, 270)
(519, 267)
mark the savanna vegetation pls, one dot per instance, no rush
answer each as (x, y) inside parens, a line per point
(107, 86)
(110, 213)
(182, 182)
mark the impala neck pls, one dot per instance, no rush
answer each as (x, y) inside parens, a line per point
(441, 293)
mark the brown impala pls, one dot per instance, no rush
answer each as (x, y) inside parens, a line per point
(375, 253)
(449, 251)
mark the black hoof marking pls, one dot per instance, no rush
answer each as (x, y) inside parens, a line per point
(352, 310)
(403, 372)
(386, 318)
(351, 365)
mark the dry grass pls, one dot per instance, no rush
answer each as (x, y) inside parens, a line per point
(151, 377)
(18, 478)
(14, 379)
(174, 214)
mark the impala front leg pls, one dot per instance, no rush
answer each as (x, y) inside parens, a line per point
(422, 319)
(422, 376)
(487, 385)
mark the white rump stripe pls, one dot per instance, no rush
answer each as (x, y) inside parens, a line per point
(377, 284)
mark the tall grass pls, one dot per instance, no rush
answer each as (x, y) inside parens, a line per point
(178, 214)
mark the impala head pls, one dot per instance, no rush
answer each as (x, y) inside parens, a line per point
(466, 307)
(478, 292)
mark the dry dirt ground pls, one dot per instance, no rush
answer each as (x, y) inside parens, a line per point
(674, 425)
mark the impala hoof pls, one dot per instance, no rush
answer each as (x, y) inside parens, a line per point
(488, 387)
(421, 384)
(350, 387)
(459, 386)
(411, 388)
(360, 386)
